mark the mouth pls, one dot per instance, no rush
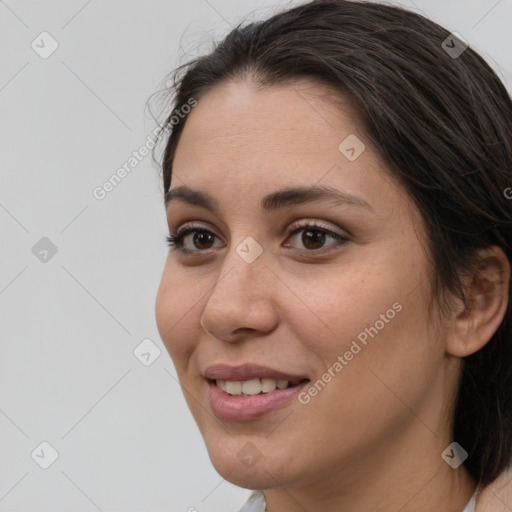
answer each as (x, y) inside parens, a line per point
(254, 387)
(248, 392)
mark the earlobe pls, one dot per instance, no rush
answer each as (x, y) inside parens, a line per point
(486, 299)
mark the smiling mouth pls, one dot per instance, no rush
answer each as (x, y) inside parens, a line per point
(254, 387)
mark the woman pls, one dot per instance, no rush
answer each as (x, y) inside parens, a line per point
(336, 300)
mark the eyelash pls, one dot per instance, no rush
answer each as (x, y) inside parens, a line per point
(175, 241)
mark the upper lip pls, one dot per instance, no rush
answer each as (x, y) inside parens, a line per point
(248, 372)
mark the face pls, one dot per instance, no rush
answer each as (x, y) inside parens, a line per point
(329, 295)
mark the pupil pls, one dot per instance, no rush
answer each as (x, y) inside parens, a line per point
(199, 235)
(312, 236)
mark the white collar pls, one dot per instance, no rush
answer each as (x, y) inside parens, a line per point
(256, 503)
(470, 507)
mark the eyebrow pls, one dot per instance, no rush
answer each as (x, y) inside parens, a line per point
(271, 202)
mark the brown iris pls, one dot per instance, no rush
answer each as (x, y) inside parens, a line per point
(313, 236)
(202, 237)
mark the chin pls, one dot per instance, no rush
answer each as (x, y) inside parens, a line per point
(238, 460)
(257, 477)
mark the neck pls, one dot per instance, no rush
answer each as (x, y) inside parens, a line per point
(406, 476)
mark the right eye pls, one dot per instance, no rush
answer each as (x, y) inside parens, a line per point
(201, 236)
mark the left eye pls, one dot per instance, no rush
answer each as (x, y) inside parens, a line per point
(313, 238)
(313, 235)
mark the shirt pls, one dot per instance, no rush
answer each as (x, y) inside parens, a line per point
(256, 503)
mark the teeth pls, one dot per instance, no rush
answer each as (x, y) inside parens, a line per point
(268, 385)
(251, 387)
(233, 387)
(221, 384)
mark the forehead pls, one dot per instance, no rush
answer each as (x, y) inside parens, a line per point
(239, 116)
(241, 141)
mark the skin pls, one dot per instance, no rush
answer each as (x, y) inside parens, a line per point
(372, 438)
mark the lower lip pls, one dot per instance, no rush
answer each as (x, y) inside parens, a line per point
(246, 408)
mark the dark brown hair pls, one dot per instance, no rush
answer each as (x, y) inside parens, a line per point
(442, 125)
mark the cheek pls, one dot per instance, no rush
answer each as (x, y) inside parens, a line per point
(175, 307)
(376, 318)
(388, 361)
(340, 305)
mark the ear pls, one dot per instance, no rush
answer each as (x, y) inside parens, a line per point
(487, 300)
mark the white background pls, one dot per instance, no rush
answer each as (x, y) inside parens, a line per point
(125, 438)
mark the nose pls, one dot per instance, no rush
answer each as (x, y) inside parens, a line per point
(242, 300)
